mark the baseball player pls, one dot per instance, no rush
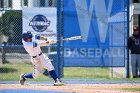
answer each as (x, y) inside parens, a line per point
(38, 59)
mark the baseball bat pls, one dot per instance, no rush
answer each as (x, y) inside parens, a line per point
(66, 39)
(72, 38)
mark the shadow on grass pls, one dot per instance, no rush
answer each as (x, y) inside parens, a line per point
(7, 70)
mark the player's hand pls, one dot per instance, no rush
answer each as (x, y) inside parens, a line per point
(53, 42)
(38, 37)
(43, 38)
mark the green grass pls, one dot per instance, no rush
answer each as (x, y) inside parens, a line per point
(86, 73)
(132, 89)
(11, 72)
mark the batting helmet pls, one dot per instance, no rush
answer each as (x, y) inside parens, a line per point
(27, 35)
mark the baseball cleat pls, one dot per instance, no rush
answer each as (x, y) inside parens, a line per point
(22, 79)
(58, 83)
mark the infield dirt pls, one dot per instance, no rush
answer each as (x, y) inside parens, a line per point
(76, 88)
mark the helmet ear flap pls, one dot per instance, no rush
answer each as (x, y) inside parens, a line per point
(24, 39)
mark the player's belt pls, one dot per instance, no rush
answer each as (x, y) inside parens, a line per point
(36, 56)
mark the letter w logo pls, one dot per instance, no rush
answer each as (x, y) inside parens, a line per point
(85, 17)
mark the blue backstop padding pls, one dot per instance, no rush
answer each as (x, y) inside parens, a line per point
(103, 26)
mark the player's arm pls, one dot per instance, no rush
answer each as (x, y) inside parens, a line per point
(45, 43)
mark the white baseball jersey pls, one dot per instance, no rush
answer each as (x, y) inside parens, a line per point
(31, 49)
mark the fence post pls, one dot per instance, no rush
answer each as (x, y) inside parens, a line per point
(3, 53)
(127, 66)
(58, 38)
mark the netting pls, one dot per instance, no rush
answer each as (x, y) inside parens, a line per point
(12, 52)
(102, 27)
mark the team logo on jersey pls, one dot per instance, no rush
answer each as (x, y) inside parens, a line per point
(39, 23)
(137, 42)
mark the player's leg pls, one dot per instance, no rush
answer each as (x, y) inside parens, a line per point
(23, 78)
(48, 65)
(37, 69)
(133, 65)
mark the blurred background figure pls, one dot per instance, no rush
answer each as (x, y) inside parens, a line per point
(134, 46)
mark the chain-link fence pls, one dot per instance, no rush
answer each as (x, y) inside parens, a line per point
(12, 52)
(15, 60)
(11, 32)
